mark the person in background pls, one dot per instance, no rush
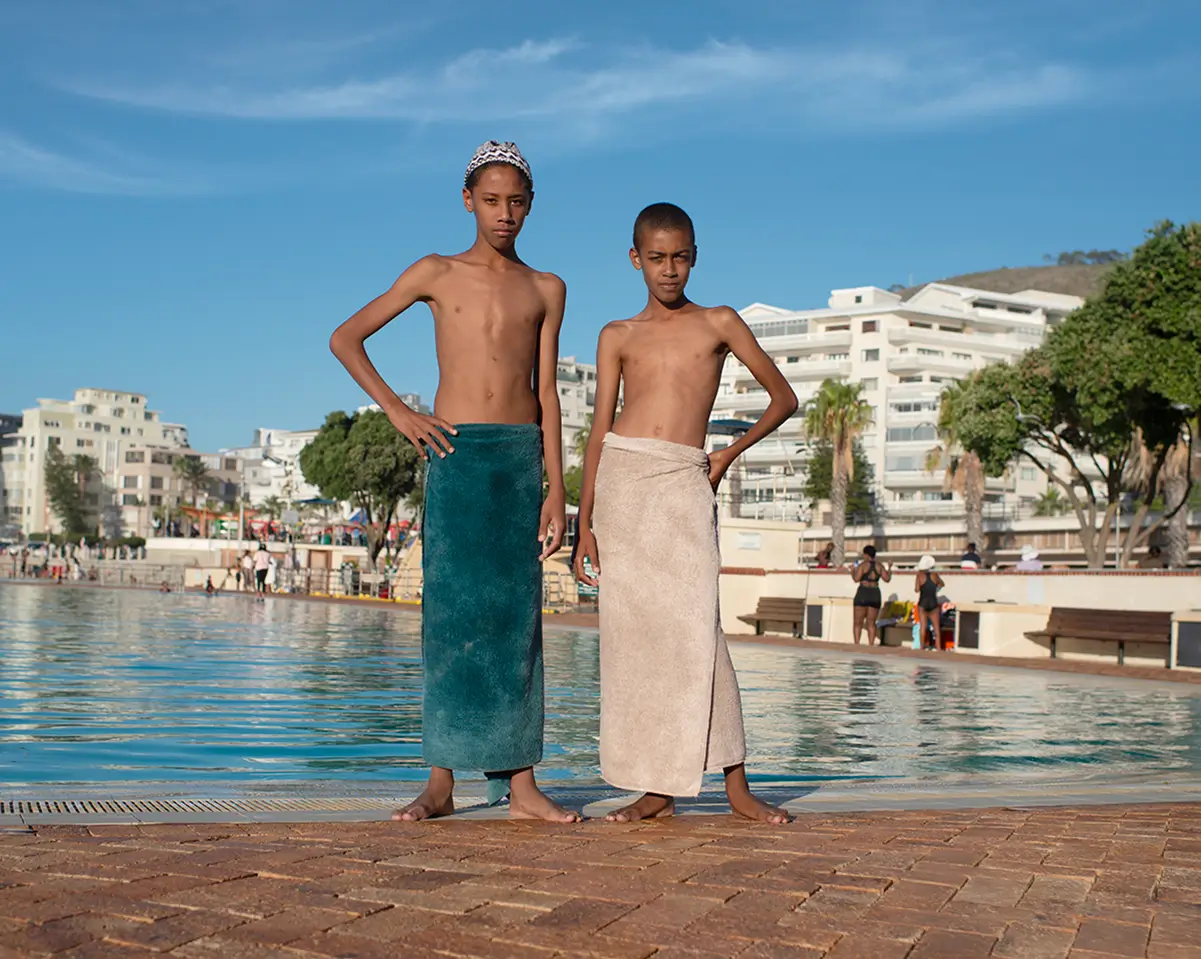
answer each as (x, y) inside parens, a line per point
(1029, 563)
(868, 574)
(208, 586)
(262, 563)
(926, 585)
(971, 559)
(247, 570)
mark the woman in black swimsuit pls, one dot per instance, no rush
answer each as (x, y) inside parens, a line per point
(868, 574)
(927, 585)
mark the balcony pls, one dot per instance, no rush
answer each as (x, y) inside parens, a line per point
(995, 344)
(920, 363)
(806, 342)
(752, 401)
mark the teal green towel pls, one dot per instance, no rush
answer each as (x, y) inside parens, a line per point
(481, 627)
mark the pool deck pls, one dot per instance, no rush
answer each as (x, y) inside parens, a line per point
(1047, 883)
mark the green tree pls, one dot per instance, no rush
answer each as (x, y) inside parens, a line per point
(1178, 471)
(819, 480)
(67, 479)
(272, 507)
(194, 476)
(963, 472)
(1050, 503)
(363, 459)
(838, 415)
(1101, 405)
(573, 483)
(579, 442)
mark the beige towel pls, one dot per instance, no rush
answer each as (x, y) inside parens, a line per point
(670, 708)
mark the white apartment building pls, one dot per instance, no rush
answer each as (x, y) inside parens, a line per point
(904, 352)
(577, 397)
(102, 424)
(271, 465)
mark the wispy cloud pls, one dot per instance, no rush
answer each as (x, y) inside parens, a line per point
(104, 170)
(563, 81)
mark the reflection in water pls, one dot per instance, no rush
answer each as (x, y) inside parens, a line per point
(110, 685)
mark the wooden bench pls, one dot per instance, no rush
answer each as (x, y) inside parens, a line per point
(1119, 626)
(777, 614)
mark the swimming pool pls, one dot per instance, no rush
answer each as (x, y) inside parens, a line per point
(120, 687)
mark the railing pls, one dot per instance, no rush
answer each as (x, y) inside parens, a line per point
(559, 590)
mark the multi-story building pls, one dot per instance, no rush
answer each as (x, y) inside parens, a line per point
(151, 488)
(271, 466)
(577, 397)
(101, 424)
(10, 425)
(903, 350)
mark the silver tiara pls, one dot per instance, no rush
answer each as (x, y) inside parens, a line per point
(496, 152)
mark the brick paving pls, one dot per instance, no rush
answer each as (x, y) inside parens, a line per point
(1047, 883)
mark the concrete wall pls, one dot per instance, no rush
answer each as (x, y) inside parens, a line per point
(1010, 604)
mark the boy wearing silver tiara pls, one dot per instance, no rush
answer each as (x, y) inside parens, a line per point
(486, 526)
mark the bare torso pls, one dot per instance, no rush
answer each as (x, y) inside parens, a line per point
(487, 321)
(670, 369)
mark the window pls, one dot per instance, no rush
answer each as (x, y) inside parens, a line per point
(794, 359)
(163, 459)
(148, 415)
(779, 328)
(870, 326)
(869, 384)
(838, 357)
(910, 379)
(840, 328)
(129, 482)
(926, 351)
(83, 444)
(229, 464)
(871, 356)
(129, 499)
(921, 326)
(966, 357)
(858, 297)
(936, 497)
(124, 430)
(53, 441)
(135, 456)
(904, 464)
(51, 424)
(156, 482)
(910, 434)
(1028, 473)
(156, 500)
(135, 399)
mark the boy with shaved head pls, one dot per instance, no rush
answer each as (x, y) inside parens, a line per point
(670, 708)
(495, 426)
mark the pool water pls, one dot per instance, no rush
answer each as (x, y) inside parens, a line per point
(129, 687)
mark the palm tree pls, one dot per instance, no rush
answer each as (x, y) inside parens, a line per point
(579, 442)
(194, 476)
(273, 507)
(963, 472)
(839, 415)
(1050, 503)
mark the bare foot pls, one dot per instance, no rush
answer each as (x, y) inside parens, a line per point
(646, 806)
(750, 806)
(746, 804)
(527, 801)
(437, 799)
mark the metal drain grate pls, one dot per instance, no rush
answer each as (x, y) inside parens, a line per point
(116, 807)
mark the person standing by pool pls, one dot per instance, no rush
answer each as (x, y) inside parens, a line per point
(247, 579)
(927, 584)
(868, 574)
(495, 426)
(670, 706)
(262, 562)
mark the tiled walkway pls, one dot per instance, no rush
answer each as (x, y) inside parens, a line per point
(1019, 884)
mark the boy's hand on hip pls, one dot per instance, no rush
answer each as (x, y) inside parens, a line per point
(427, 433)
(586, 550)
(719, 462)
(551, 526)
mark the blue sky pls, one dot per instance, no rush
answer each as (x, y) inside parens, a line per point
(194, 193)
